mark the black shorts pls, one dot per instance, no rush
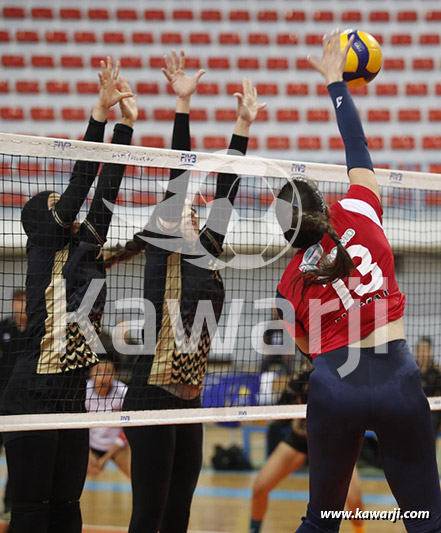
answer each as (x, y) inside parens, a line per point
(100, 453)
(298, 442)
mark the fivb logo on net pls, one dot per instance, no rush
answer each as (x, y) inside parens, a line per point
(241, 231)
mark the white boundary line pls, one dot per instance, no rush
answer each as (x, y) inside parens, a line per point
(32, 146)
(155, 418)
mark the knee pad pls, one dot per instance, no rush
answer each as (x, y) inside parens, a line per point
(65, 516)
(313, 523)
(30, 516)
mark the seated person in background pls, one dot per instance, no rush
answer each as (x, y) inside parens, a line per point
(105, 393)
(430, 374)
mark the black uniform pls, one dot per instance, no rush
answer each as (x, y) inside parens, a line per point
(48, 468)
(12, 343)
(166, 460)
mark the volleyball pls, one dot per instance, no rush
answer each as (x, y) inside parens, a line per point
(364, 58)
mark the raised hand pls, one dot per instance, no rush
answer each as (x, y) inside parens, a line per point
(184, 86)
(128, 105)
(333, 61)
(248, 107)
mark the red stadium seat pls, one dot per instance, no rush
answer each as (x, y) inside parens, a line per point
(154, 14)
(332, 197)
(314, 39)
(43, 113)
(321, 89)
(407, 16)
(12, 113)
(423, 63)
(378, 115)
(163, 114)
(192, 63)
(267, 16)
(13, 61)
(56, 37)
(156, 62)
(433, 198)
(435, 168)
(171, 38)
(295, 16)
(277, 63)
(409, 115)
(317, 115)
(126, 14)
(433, 16)
(401, 39)
(323, 16)
(147, 88)
(375, 143)
(98, 14)
(57, 87)
(142, 38)
(232, 88)
(72, 62)
(435, 115)
(379, 37)
(215, 142)
(154, 141)
(303, 64)
(4, 36)
(218, 62)
(266, 198)
(183, 14)
(43, 62)
(284, 39)
(386, 89)
(351, 16)
(278, 143)
(287, 115)
(13, 13)
(211, 15)
(416, 89)
(73, 113)
(200, 38)
(438, 89)
(402, 143)
(258, 38)
(239, 15)
(42, 13)
(432, 143)
(379, 16)
(11, 199)
(131, 62)
(144, 198)
(394, 63)
(309, 143)
(262, 116)
(248, 63)
(336, 143)
(70, 13)
(359, 91)
(431, 39)
(27, 36)
(199, 115)
(208, 88)
(297, 89)
(87, 87)
(113, 37)
(267, 88)
(95, 61)
(225, 115)
(85, 37)
(203, 200)
(229, 38)
(4, 86)
(30, 87)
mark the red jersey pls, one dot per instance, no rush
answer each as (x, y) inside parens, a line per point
(347, 310)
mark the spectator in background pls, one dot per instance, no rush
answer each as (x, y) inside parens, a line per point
(105, 393)
(12, 339)
(430, 374)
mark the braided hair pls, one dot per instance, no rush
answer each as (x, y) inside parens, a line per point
(300, 201)
(132, 248)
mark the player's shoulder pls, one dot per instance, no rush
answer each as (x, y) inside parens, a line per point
(362, 201)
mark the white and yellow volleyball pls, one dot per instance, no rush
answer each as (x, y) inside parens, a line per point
(364, 58)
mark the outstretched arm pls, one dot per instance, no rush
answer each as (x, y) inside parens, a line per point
(98, 219)
(331, 66)
(84, 172)
(228, 184)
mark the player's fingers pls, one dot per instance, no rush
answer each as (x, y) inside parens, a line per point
(314, 62)
(262, 106)
(100, 77)
(127, 94)
(239, 98)
(326, 40)
(348, 45)
(174, 60)
(198, 75)
(182, 60)
(109, 65)
(168, 63)
(116, 72)
(254, 93)
(166, 74)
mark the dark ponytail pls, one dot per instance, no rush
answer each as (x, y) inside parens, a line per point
(130, 249)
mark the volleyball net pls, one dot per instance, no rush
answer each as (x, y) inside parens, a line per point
(252, 359)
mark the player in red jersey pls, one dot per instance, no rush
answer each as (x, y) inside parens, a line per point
(346, 312)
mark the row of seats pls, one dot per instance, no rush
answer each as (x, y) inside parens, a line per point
(213, 63)
(63, 87)
(395, 199)
(202, 38)
(235, 15)
(48, 113)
